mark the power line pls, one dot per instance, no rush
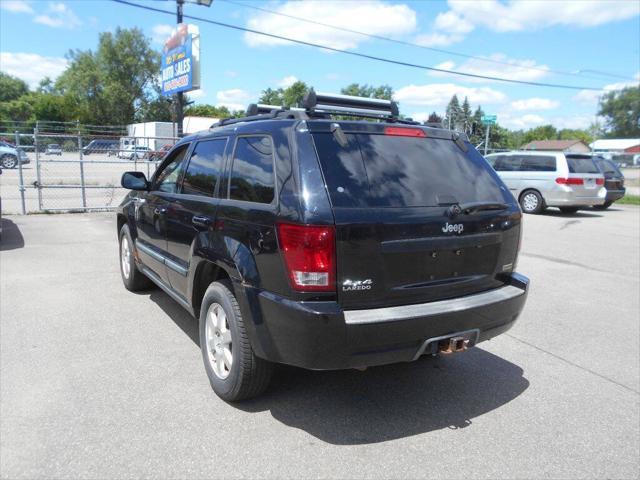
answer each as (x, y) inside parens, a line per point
(416, 45)
(360, 55)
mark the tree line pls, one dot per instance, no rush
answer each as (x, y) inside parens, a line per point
(118, 84)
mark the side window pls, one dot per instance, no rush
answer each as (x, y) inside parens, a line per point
(252, 177)
(609, 167)
(493, 160)
(508, 163)
(205, 168)
(167, 179)
(538, 163)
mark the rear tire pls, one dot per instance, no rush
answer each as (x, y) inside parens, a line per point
(531, 202)
(569, 209)
(604, 206)
(134, 280)
(234, 371)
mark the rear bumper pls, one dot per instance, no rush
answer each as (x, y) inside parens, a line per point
(321, 336)
(565, 197)
(613, 195)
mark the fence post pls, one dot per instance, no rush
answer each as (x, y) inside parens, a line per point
(21, 186)
(82, 185)
(38, 175)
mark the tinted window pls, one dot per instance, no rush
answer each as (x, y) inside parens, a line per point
(167, 179)
(252, 178)
(538, 163)
(582, 165)
(205, 166)
(493, 159)
(508, 163)
(608, 167)
(388, 171)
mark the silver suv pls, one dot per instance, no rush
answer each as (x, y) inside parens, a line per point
(538, 180)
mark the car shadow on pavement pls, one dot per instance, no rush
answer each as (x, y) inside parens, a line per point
(391, 402)
(350, 407)
(12, 238)
(552, 212)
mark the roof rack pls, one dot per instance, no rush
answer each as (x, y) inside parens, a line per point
(327, 103)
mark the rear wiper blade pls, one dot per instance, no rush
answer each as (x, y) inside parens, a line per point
(472, 207)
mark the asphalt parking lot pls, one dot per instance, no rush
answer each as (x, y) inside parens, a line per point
(97, 382)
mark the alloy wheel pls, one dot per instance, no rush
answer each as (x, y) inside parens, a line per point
(218, 341)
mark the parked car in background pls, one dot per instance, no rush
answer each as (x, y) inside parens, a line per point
(11, 157)
(550, 179)
(53, 149)
(613, 182)
(325, 243)
(159, 154)
(100, 146)
(135, 152)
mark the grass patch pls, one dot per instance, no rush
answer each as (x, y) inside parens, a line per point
(629, 200)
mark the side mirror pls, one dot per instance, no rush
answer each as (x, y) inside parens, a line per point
(134, 181)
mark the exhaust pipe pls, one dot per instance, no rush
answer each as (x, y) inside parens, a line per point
(453, 345)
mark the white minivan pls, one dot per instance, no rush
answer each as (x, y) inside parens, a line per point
(538, 180)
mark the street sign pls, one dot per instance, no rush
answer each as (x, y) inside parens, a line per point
(181, 60)
(489, 119)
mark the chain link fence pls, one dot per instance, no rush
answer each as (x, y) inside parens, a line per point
(56, 166)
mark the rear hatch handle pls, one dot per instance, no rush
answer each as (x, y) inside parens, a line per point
(473, 207)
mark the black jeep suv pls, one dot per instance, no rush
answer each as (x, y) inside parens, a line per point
(304, 237)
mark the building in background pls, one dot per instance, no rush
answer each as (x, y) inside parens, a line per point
(568, 146)
(624, 151)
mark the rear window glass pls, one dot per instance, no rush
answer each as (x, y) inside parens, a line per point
(582, 165)
(386, 171)
(508, 163)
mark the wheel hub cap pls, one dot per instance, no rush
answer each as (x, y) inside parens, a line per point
(125, 257)
(530, 202)
(218, 341)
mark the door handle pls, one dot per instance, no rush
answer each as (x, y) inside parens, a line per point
(160, 211)
(201, 221)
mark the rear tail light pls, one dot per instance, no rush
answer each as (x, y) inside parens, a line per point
(405, 132)
(599, 181)
(310, 256)
(570, 181)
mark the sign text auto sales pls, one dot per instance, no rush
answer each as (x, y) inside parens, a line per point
(180, 69)
(176, 75)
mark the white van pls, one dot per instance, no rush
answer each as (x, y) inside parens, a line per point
(550, 179)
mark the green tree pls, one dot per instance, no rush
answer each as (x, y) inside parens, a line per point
(205, 110)
(287, 97)
(466, 116)
(434, 118)
(575, 134)
(382, 92)
(272, 97)
(543, 132)
(453, 114)
(110, 85)
(621, 112)
(11, 88)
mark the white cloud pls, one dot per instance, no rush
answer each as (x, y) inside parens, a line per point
(233, 99)
(437, 39)
(536, 14)
(287, 81)
(231, 74)
(332, 76)
(464, 16)
(370, 16)
(199, 93)
(32, 67)
(529, 120)
(514, 69)
(591, 97)
(58, 15)
(160, 33)
(16, 7)
(534, 103)
(439, 94)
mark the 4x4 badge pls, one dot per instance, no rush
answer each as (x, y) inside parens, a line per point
(453, 227)
(349, 285)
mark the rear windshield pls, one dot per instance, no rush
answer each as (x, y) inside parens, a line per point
(386, 171)
(582, 165)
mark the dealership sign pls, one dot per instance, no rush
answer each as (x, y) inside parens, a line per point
(181, 60)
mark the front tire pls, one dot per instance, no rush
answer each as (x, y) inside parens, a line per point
(569, 209)
(134, 280)
(531, 202)
(234, 371)
(9, 161)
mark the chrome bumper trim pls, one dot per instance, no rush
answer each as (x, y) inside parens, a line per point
(405, 312)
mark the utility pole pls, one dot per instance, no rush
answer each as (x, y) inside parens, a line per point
(179, 95)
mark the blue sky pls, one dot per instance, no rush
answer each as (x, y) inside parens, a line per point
(542, 41)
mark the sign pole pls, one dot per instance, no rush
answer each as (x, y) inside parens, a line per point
(486, 140)
(179, 95)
